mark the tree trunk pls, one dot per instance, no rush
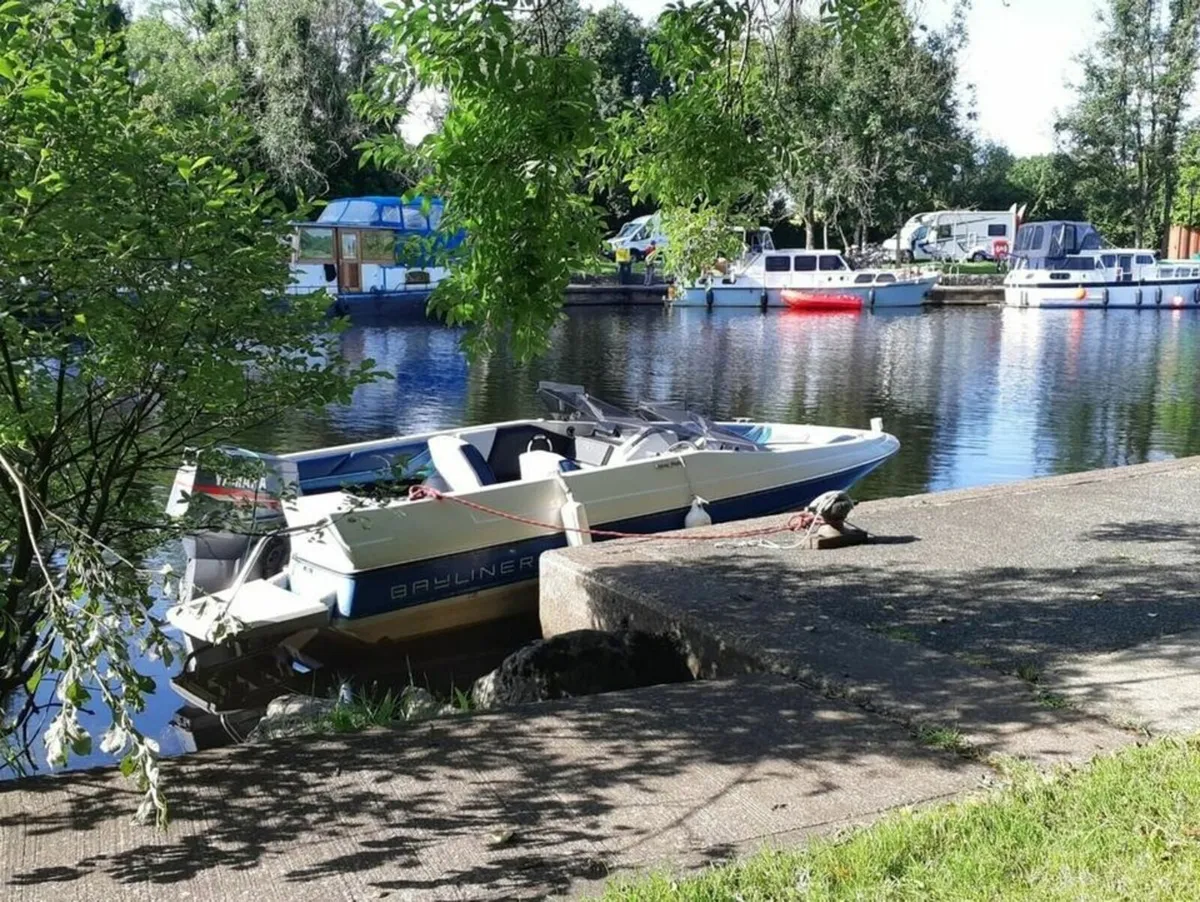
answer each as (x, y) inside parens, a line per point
(824, 234)
(810, 229)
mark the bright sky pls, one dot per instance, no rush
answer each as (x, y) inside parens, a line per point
(1020, 56)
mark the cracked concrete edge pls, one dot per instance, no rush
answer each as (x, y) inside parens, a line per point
(600, 602)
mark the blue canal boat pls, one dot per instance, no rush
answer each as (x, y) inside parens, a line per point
(374, 255)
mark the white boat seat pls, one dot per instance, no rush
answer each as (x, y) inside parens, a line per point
(541, 464)
(459, 463)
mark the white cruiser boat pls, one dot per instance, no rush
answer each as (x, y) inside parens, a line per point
(806, 279)
(1064, 264)
(361, 556)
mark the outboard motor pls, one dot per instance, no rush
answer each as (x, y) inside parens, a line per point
(233, 497)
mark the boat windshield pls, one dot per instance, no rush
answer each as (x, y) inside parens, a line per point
(573, 401)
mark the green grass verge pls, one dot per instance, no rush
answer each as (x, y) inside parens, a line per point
(602, 266)
(1126, 826)
(983, 268)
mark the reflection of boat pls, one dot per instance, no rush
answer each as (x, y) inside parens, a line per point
(761, 280)
(365, 557)
(374, 255)
(1063, 264)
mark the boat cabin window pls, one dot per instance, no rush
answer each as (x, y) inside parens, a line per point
(997, 230)
(314, 245)
(777, 264)
(1062, 241)
(805, 264)
(1039, 234)
(829, 262)
(1145, 259)
(349, 211)
(379, 246)
(414, 220)
(1109, 260)
(1075, 264)
(1167, 272)
(885, 277)
(864, 277)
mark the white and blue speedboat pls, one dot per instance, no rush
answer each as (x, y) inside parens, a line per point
(373, 255)
(360, 555)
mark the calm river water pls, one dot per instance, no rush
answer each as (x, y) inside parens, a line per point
(975, 396)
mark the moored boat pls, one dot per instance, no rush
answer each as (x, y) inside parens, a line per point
(359, 553)
(795, 299)
(1065, 264)
(762, 279)
(373, 255)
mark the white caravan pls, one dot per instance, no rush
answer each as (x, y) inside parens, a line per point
(957, 235)
(638, 235)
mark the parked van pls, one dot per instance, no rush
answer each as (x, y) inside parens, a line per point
(637, 236)
(957, 235)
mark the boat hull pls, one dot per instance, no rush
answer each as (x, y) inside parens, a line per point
(894, 294)
(1172, 295)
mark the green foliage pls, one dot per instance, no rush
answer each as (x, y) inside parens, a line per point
(510, 155)
(1046, 184)
(141, 312)
(289, 67)
(1123, 827)
(1186, 209)
(523, 152)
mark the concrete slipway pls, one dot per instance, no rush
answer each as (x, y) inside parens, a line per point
(824, 671)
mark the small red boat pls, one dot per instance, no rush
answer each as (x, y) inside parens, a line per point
(807, 299)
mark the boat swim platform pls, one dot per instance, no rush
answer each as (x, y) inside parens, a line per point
(823, 669)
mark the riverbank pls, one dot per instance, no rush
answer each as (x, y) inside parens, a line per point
(1046, 621)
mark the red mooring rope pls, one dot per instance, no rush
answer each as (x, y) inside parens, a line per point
(800, 522)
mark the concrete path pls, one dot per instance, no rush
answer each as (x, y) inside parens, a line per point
(487, 806)
(961, 613)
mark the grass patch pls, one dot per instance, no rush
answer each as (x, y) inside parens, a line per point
(1126, 826)
(900, 633)
(1029, 672)
(1052, 700)
(602, 266)
(372, 709)
(970, 268)
(945, 738)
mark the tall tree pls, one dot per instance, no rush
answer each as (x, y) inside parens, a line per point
(619, 44)
(141, 289)
(1123, 131)
(290, 67)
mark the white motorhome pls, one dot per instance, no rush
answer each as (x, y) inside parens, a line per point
(638, 235)
(957, 235)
